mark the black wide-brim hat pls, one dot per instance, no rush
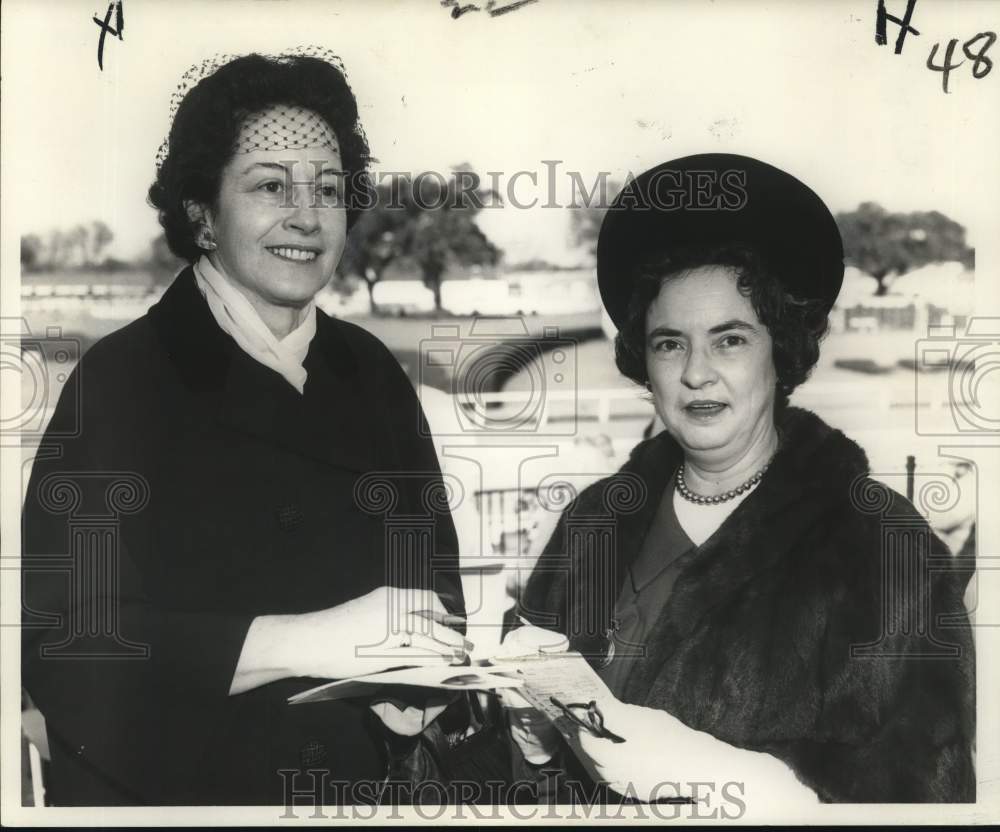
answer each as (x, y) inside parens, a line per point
(714, 199)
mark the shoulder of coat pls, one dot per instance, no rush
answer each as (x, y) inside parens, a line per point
(366, 345)
(121, 354)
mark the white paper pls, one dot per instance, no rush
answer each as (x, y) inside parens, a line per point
(443, 678)
(567, 677)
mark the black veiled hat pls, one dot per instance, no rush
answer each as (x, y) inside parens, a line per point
(715, 199)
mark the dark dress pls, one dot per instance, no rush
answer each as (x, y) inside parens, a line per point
(182, 490)
(644, 594)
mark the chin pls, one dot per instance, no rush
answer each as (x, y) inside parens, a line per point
(294, 293)
(701, 444)
(697, 438)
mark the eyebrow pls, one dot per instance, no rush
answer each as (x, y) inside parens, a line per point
(725, 326)
(280, 167)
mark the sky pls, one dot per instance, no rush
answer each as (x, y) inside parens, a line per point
(613, 86)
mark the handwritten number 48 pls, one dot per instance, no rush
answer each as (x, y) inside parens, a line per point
(981, 65)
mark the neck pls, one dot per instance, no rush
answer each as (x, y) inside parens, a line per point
(281, 320)
(711, 475)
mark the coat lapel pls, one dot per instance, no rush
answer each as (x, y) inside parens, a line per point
(594, 597)
(244, 396)
(654, 468)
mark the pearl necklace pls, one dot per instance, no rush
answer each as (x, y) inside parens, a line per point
(732, 494)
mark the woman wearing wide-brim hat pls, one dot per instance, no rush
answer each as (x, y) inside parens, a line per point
(746, 609)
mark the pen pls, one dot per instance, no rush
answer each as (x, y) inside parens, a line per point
(530, 657)
(447, 619)
(588, 716)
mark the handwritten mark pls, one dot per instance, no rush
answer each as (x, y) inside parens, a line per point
(510, 7)
(458, 9)
(116, 7)
(978, 58)
(981, 65)
(881, 16)
(945, 68)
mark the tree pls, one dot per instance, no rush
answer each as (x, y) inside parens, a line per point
(82, 246)
(31, 253)
(428, 220)
(100, 238)
(439, 238)
(585, 220)
(55, 256)
(372, 244)
(79, 245)
(163, 264)
(883, 243)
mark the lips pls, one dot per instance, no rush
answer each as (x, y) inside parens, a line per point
(296, 254)
(704, 408)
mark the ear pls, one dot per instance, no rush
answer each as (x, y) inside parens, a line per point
(197, 213)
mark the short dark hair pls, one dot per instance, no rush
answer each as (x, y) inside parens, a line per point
(208, 120)
(796, 326)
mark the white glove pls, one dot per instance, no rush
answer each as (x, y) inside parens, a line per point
(537, 738)
(388, 627)
(661, 756)
(531, 641)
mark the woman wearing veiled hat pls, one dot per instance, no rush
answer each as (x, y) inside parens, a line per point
(247, 451)
(748, 614)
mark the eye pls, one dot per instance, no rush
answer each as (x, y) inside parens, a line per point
(732, 340)
(272, 186)
(329, 193)
(667, 345)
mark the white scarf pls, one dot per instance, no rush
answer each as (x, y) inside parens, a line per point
(236, 316)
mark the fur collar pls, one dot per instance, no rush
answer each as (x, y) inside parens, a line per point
(807, 487)
(811, 457)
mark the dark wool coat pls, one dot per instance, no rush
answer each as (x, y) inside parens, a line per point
(823, 622)
(183, 489)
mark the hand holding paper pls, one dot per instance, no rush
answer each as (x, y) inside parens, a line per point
(533, 732)
(377, 631)
(661, 756)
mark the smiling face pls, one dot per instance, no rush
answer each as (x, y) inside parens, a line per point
(279, 221)
(709, 363)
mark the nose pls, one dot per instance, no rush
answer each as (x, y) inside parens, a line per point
(303, 215)
(698, 370)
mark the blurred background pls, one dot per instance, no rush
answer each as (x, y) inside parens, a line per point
(514, 327)
(531, 396)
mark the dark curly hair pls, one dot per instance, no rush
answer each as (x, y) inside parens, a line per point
(208, 121)
(796, 326)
